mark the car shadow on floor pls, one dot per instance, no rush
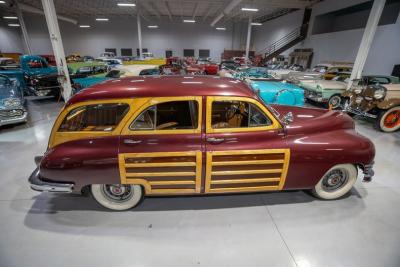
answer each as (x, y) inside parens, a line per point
(70, 214)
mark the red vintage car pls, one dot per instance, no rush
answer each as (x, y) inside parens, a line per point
(172, 135)
(51, 60)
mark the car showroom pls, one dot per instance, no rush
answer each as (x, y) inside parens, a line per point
(200, 133)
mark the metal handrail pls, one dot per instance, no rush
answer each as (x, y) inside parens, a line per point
(291, 36)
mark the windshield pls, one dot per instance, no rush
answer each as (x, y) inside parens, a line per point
(4, 81)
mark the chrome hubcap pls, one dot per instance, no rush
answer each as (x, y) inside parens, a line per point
(335, 179)
(117, 192)
(335, 101)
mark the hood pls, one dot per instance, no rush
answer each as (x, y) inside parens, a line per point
(273, 86)
(313, 120)
(329, 84)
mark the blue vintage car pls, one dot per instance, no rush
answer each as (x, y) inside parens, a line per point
(12, 102)
(276, 92)
(252, 72)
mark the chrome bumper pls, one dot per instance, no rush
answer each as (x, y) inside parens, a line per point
(310, 95)
(39, 185)
(368, 172)
(359, 112)
(14, 120)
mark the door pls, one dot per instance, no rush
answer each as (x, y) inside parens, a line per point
(160, 147)
(245, 147)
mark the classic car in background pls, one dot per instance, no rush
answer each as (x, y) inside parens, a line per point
(334, 71)
(51, 60)
(12, 109)
(297, 77)
(376, 101)
(117, 72)
(329, 92)
(251, 73)
(74, 58)
(277, 92)
(100, 142)
(284, 72)
(203, 67)
(229, 64)
(8, 63)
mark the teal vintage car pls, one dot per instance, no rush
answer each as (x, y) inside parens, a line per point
(251, 73)
(12, 108)
(329, 92)
(278, 92)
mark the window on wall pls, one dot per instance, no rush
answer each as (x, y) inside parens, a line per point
(126, 52)
(144, 50)
(188, 52)
(112, 50)
(204, 53)
(168, 53)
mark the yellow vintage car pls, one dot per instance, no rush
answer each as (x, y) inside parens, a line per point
(332, 72)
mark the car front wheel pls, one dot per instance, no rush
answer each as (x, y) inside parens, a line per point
(336, 182)
(389, 120)
(334, 101)
(117, 196)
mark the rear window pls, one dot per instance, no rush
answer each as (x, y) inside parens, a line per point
(99, 117)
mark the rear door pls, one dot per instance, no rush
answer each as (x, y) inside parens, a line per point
(160, 147)
(245, 147)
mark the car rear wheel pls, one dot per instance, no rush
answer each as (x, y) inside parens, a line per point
(389, 120)
(117, 196)
(336, 182)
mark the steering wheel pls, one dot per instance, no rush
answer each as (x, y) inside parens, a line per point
(166, 125)
(232, 111)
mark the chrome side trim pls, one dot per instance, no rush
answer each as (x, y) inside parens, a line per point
(360, 112)
(39, 185)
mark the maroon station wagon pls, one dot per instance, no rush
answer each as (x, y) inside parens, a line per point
(127, 138)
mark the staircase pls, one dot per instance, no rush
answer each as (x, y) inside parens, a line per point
(286, 42)
(289, 40)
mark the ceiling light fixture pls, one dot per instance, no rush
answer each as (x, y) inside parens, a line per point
(256, 24)
(249, 9)
(126, 4)
(84, 26)
(14, 25)
(10, 17)
(152, 26)
(2, 2)
(220, 28)
(102, 19)
(189, 21)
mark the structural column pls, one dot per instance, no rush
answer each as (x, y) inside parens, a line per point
(24, 31)
(58, 49)
(366, 41)
(139, 34)
(248, 38)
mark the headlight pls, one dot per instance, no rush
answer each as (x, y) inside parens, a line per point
(357, 89)
(11, 102)
(379, 93)
(359, 99)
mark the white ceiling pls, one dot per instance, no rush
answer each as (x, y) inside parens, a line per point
(174, 10)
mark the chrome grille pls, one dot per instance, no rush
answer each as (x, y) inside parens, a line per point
(11, 113)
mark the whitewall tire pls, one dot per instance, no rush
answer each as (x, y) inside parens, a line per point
(117, 196)
(389, 120)
(336, 182)
(335, 101)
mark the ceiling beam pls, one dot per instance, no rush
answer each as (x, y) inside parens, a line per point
(149, 8)
(209, 10)
(226, 11)
(195, 9)
(168, 8)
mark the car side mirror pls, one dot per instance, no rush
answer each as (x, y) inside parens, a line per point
(288, 118)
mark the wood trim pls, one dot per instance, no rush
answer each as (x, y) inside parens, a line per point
(282, 172)
(275, 123)
(158, 100)
(247, 162)
(141, 178)
(244, 181)
(246, 172)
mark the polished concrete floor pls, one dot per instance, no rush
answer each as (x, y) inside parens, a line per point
(268, 229)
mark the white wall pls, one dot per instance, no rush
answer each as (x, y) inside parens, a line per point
(337, 46)
(273, 30)
(122, 33)
(10, 39)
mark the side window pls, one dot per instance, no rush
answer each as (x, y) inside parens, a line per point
(99, 117)
(173, 115)
(237, 114)
(380, 80)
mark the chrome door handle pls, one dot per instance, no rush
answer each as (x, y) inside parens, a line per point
(215, 140)
(132, 142)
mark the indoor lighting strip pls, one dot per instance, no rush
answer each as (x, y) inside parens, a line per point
(102, 19)
(126, 4)
(14, 25)
(220, 28)
(10, 17)
(249, 9)
(189, 21)
(152, 26)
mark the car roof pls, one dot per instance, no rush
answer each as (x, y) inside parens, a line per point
(164, 86)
